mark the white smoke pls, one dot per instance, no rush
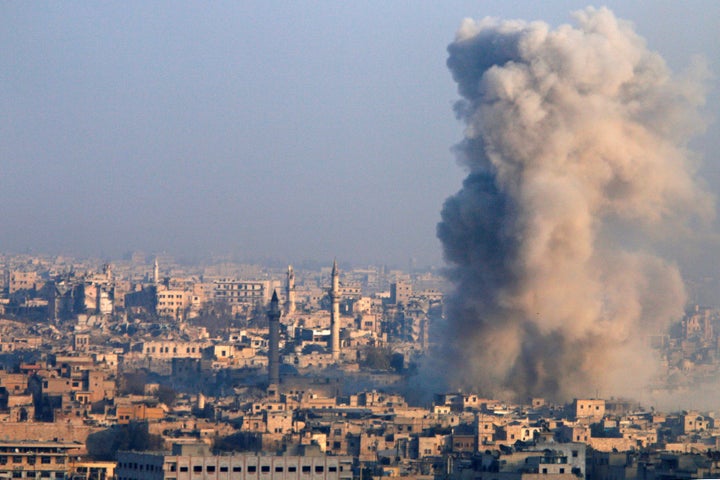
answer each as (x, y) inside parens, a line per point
(576, 146)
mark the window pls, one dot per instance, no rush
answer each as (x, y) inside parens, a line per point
(60, 460)
(17, 474)
(17, 459)
(197, 468)
(306, 469)
(278, 469)
(224, 468)
(574, 453)
(237, 469)
(562, 470)
(210, 469)
(319, 469)
(45, 460)
(292, 469)
(252, 469)
(265, 468)
(332, 468)
(184, 468)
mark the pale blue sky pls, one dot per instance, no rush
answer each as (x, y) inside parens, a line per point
(288, 130)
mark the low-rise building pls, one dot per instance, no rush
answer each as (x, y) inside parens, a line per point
(194, 462)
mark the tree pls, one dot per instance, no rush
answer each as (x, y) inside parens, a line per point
(133, 382)
(377, 358)
(105, 444)
(166, 394)
(238, 442)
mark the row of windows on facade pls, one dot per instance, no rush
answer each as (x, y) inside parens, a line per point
(42, 474)
(30, 460)
(238, 294)
(167, 350)
(235, 469)
(46, 384)
(236, 286)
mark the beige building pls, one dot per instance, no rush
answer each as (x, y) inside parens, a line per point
(400, 292)
(171, 349)
(193, 462)
(591, 409)
(22, 281)
(174, 303)
(242, 292)
(36, 460)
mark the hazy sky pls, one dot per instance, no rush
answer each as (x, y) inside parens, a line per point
(287, 130)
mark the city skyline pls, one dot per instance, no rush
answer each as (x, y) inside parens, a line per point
(337, 241)
(278, 131)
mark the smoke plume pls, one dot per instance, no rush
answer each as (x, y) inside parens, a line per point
(576, 147)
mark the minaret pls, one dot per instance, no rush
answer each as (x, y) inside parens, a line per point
(335, 313)
(274, 353)
(290, 291)
(156, 272)
(98, 298)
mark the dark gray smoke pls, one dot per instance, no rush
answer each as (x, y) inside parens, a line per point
(575, 143)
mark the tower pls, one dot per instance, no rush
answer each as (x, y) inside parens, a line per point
(274, 353)
(156, 272)
(335, 313)
(290, 291)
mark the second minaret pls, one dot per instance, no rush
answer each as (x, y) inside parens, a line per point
(335, 313)
(274, 341)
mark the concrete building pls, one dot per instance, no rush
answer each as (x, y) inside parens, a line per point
(173, 303)
(400, 292)
(29, 459)
(22, 281)
(194, 462)
(242, 292)
(589, 409)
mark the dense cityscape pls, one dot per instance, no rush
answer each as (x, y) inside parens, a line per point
(146, 369)
(558, 315)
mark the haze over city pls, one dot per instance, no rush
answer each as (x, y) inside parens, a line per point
(272, 130)
(344, 240)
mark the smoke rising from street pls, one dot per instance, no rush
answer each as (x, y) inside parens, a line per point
(576, 147)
